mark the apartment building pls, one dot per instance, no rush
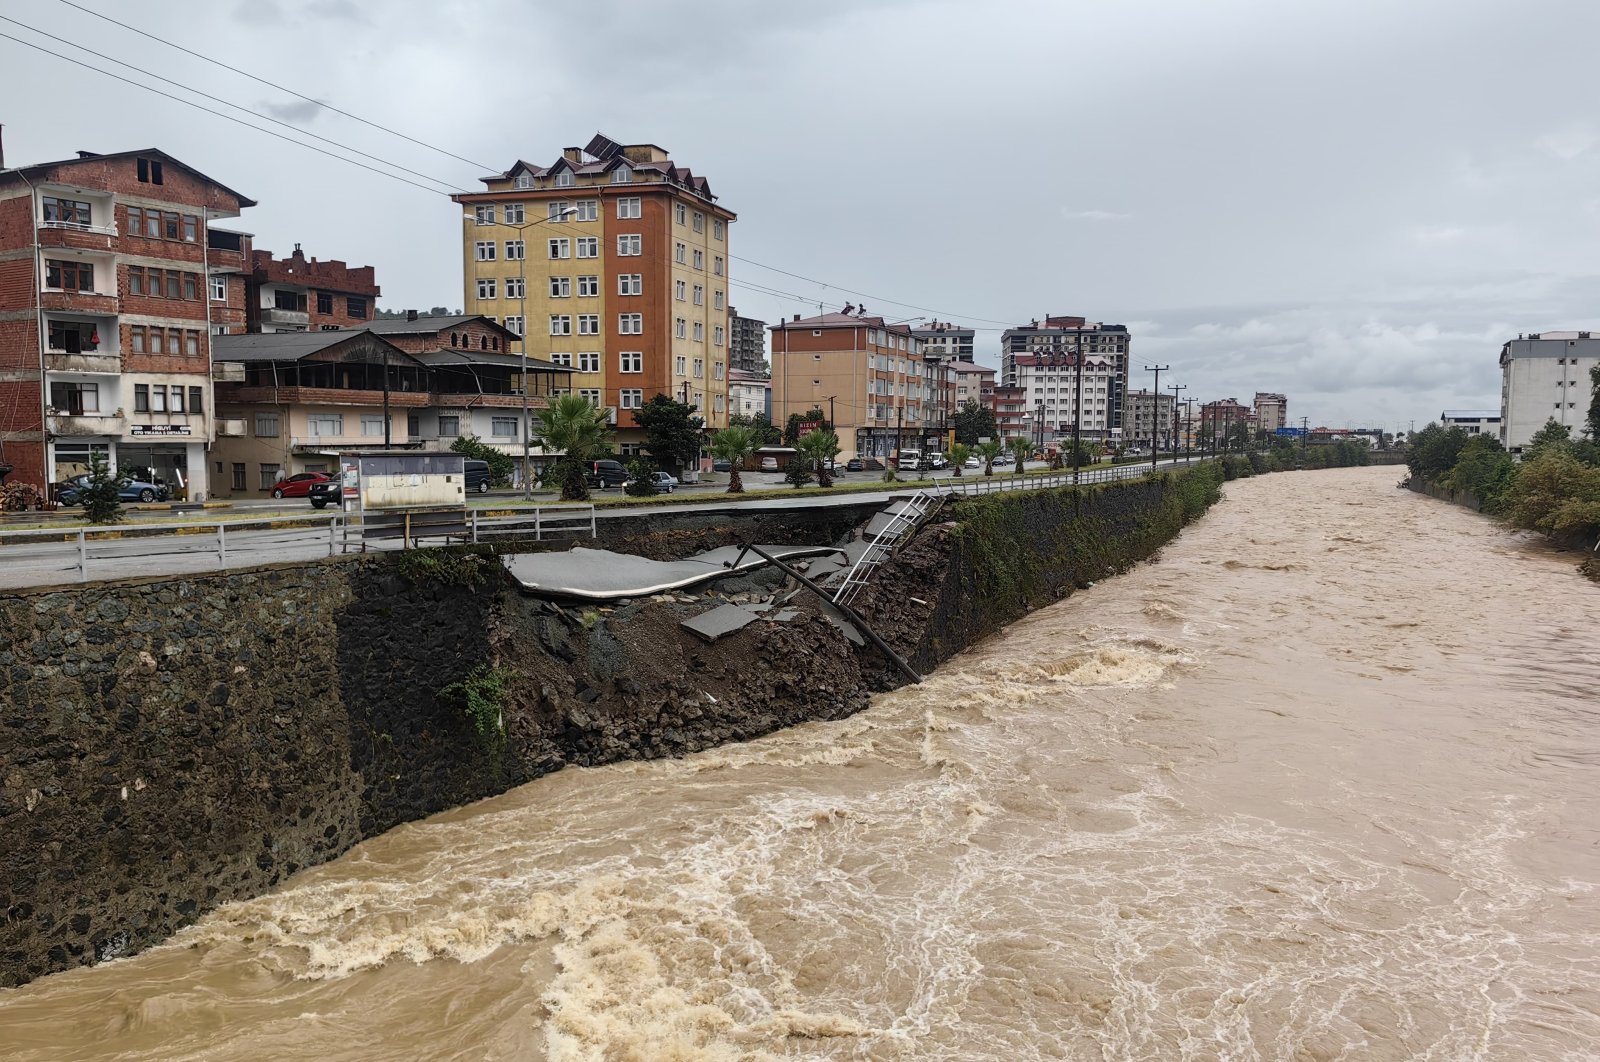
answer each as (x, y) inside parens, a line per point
(975, 382)
(941, 339)
(1545, 376)
(1148, 419)
(111, 283)
(300, 294)
(869, 374)
(1013, 417)
(1068, 335)
(1472, 421)
(1272, 411)
(1217, 417)
(747, 343)
(612, 261)
(749, 393)
(1063, 398)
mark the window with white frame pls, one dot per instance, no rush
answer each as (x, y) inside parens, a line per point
(699, 331)
(678, 213)
(629, 207)
(219, 289)
(558, 211)
(486, 287)
(522, 181)
(560, 287)
(588, 210)
(630, 398)
(630, 361)
(680, 253)
(680, 328)
(514, 287)
(622, 175)
(678, 289)
(513, 213)
(629, 245)
(588, 361)
(716, 403)
(484, 213)
(591, 395)
(588, 324)
(503, 427)
(325, 425)
(717, 299)
(717, 370)
(717, 267)
(630, 324)
(371, 425)
(564, 179)
(716, 336)
(560, 324)
(588, 285)
(699, 221)
(560, 248)
(699, 258)
(630, 283)
(483, 250)
(562, 358)
(699, 368)
(516, 250)
(716, 229)
(699, 295)
(588, 247)
(514, 324)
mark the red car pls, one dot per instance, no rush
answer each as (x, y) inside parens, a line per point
(298, 485)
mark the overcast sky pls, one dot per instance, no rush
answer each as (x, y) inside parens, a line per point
(1353, 202)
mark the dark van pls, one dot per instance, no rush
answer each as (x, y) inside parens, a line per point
(606, 474)
(477, 476)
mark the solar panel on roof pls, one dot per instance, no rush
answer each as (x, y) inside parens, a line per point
(603, 147)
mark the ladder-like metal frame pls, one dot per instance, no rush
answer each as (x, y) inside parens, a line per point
(901, 523)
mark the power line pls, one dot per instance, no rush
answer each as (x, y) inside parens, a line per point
(280, 88)
(219, 114)
(229, 103)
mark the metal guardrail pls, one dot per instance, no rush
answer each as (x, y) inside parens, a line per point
(980, 484)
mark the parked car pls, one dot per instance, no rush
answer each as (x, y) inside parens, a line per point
(855, 464)
(478, 475)
(325, 492)
(769, 464)
(719, 465)
(972, 462)
(663, 482)
(606, 474)
(71, 491)
(938, 461)
(297, 485)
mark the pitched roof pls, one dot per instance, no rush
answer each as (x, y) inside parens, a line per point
(293, 346)
(444, 359)
(89, 157)
(424, 325)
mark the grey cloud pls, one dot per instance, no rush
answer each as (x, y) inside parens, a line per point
(299, 111)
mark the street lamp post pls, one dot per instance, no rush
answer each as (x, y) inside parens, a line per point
(522, 337)
(1173, 423)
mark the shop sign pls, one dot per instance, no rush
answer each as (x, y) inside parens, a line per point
(158, 429)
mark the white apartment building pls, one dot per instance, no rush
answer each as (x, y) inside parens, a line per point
(1472, 421)
(1544, 376)
(1055, 396)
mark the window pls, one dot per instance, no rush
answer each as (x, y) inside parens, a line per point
(716, 336)
(152, 224)
(136, 339)
(716, 230)
(560, 287)
(588, 247)
(372, 425)
(699, 331)
(269, 476)
(324, 302)
(503, 427)
(716, 403)
(513, 213)
(355, 307)
(141, 398)
(238, 475)
(590, 395)
(70, 212)
(283, 299)
(136, 280)
(158, 398)
(557, 211)
(483, 250)
(486, 287)
(717, 268)
(677, 213)
(588, 324)
(75, 399)
(175, 287)
(629, 207)
(588, 361)
(630, 283)
(699, 295)
(560, 324)
(449, 427)
(514, 287)
(169, 226)
(561, 248)
(135, 221)
(699, 368)
(484, 213)
(194, 400)
(560, 358)
(177, 400)
(516, 250)
(678, 289)
(630, 324)
(699, 221)
(699, 258)
(191, 343)
(191, 228)
(588, 286)
(69, 275)
(514, 324)
(680, 328)
(522, 181)
(717, 370)
(564, 179)
(74, 337)
(630, 245)
(622, 175)
(219, 289)
(630, 398)
(191, 286)
(588, 210)
(327, 425)
(680, 366)
(158, 341)
(630, 361)
(680, 253)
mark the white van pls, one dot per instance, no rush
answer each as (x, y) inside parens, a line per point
(911, 461)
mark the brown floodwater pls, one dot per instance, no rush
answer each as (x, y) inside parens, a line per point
(1322, 782)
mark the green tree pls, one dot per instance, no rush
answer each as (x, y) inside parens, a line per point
(1593, 421)
(988, 453)
(101, 504)
(1020, 449)
(958, 457)
(820, 448)
(974, 421)
(767, 433)
(797, 471)
(1484, 470)
(1552, 434)
(501, 465)
(1432, 452)
(579, 432)
(733, 444)
(1555, 493)
(671, 431)
(791, 429)
(639, 484)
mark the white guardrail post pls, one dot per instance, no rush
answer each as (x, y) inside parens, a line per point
(222, 545)
(83, 557)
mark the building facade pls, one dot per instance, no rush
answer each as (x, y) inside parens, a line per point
(1067, 334)
(300, 294)
(1545, 376)
(749, 393)
(950, 342)
(1472, 421)
(1149, 420)
(111, 284)
(1218, 417)
(613, 260)
(1272, 411)
(1013, 417)
(870, 376)
(747, 343)
(1062, 400)
(975, 382)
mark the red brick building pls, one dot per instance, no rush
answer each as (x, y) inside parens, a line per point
(300, 294)
(110, 288)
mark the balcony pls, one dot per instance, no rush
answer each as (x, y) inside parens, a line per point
(90, 302)
(227, 371)
(66, 234)
(476, 401)
(103, 363)
(320, 396)
(86, 424)
(271, 315)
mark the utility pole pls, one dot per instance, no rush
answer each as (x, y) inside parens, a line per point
(1077, 413)
(386, 433)
(1173, 421)
(1305, 433)
(1155, 408)
(1188, 435)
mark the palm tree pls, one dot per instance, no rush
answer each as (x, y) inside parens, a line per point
(989, 452)
(1020, 449)
(820, 447)
(959, 453)
(577, 429)
(733, 445)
